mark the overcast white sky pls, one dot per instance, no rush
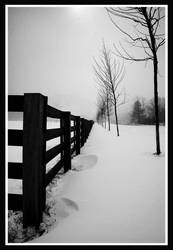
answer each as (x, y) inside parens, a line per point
(51, 50)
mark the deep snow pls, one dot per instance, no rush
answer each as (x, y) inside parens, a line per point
(115, 192)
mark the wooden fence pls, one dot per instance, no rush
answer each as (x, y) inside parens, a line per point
(33, 138)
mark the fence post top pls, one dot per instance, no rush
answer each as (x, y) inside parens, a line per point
(78, 118)
(35, 94)
(66, 112)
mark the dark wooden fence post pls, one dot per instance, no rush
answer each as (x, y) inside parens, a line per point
(67, 138)
(74, 134)
(78, 135)
(34, 148)
(82, 132)
(85, 130)
(61, 137)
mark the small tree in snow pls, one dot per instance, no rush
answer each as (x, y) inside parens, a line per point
(110, 73)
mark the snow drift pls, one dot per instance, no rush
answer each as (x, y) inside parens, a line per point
(115, 192)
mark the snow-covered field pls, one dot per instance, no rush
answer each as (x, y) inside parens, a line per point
(115, 192)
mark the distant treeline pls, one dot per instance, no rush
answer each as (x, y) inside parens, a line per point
(143, 112)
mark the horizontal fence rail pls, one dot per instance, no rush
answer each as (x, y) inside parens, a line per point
(15, 170)
(51, 153)
(15, 103)
(33, 138)
(15, 137)
(53, 133)
(53, 112)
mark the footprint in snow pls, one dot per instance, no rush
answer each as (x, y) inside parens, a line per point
(82, 162)
(63, 208)
(70, 204)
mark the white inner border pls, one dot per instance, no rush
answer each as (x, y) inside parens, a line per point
(166, 124)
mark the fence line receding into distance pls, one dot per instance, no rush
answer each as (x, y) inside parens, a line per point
(33, 139)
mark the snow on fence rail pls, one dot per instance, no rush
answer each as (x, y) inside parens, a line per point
(33, 138)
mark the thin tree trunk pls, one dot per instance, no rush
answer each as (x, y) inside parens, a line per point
(115, 109)
(155, 62)
(108, 113)
(116, 118)
(156, 107)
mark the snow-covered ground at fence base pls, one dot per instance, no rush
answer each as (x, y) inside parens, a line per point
(115, 192)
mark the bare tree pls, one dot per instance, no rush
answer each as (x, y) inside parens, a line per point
(147, 36)
(110, 73)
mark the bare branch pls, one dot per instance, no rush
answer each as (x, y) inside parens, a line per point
(145, 17)
(129, 57)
